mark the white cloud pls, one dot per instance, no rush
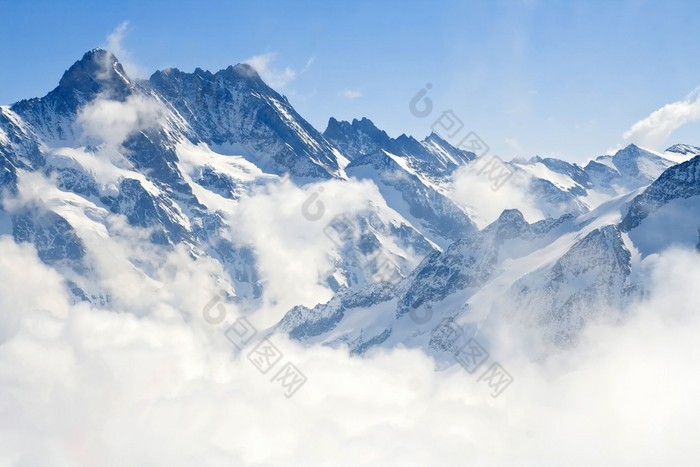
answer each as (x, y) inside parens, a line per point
(115, 44)
(293, 251)
(112, 122)
(307, 65)
(350, 94)
(27, 285)
(275, 77)
(116, 37)
(654, 130)
(475, 191)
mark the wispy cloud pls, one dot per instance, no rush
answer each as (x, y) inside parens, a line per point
(350, 94)
(275, 77)
(115, 44)
(655, 129)
(115, 38)
(309, 62)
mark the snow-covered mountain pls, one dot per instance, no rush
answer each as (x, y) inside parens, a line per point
(413, 176)
(627, 169)
(554, 275)
(433, 157)
(667, 211)
(560, 186)
(106, 168)
(173, 155)
(234, 110)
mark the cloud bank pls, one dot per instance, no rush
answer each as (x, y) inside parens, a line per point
(83, 386)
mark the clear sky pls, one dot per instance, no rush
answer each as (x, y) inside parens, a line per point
(560, 78)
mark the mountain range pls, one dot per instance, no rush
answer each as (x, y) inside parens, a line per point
(105, 159)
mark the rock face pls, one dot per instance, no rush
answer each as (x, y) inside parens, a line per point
(234, 108)
(679, 182)
(19, 149)
(53, 236)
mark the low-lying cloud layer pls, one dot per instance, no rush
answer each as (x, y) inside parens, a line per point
(114, 387)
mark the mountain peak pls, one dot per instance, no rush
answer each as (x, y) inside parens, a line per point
(634, 150)
(335, 127)
(508, 218)
(98, 71)
(629, 149)
(244, 69)
(511, 215)
(685, 149)
(436, 138)
(363, 126)
(368, 127)
(242, 73)
(357, 138)
(628, 153)
(363, 121)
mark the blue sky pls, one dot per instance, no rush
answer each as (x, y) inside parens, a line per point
(558, 78)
